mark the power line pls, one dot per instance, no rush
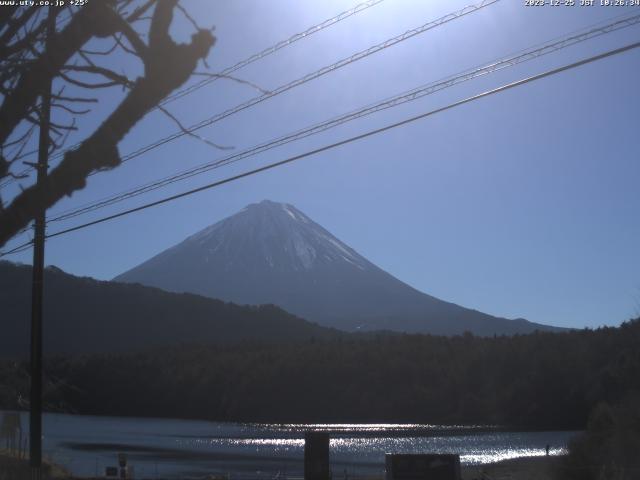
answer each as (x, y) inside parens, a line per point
(300, 81)
(237, 66)
(283, 88)
(272, 49)
(342, 142)
(311, 76)
(370, 133)
(20, 248)
(307, 78)
(411, 95)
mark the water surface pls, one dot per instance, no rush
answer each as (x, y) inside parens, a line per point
(169, 448)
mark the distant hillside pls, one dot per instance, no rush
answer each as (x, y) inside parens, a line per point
(273, 253)
(83, 315)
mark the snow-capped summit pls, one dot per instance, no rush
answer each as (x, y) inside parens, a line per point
(273, 253)
(282, 238)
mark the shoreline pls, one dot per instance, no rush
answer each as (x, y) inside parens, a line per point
(522, 468)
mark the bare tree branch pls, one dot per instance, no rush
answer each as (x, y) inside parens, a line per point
(15, 24)
(191, 134)
(95, 19)
(70, 110)
(233, 79)
(189, 17)
(28, 38)
(105, 72)
(6, 14)
(74, 99)
(167, 65)
(139, 47)
(80, 83)
(109, 51)
(139, 12)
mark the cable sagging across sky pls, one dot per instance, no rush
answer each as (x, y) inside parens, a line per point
(405, 97)
(353, 139)
(229, 70)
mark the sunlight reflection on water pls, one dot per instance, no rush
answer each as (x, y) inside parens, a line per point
(171, 448)
(478, 448)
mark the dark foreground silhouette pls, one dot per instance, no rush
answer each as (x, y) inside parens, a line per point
(609, 448)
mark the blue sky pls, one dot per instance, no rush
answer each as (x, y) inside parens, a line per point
(524, 204)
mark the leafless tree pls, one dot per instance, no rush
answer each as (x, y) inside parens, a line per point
(28, 58)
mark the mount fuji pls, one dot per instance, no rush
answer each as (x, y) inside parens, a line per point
(272, 253)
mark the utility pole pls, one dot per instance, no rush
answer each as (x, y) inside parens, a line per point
(35, 404)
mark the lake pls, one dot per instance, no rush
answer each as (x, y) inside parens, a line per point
(169, 448)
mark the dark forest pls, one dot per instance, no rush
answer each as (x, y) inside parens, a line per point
(534, 381)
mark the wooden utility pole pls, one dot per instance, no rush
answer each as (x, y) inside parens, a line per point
(35, 404)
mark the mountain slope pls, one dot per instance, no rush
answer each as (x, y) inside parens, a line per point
(83, 315)
(272, 253)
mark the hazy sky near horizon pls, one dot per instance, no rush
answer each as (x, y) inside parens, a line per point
(524, 204)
